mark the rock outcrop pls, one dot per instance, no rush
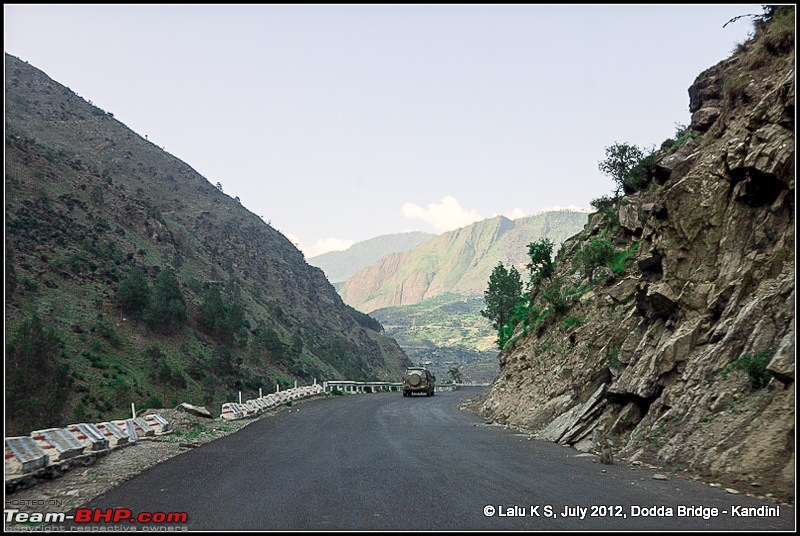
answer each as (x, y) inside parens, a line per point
(657, 353)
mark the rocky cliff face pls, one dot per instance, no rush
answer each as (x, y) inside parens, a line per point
(656, 356)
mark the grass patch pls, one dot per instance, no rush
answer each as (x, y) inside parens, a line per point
(755, 365)
(620, 261)
(571, 321)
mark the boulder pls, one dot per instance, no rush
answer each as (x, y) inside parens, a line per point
(629, 217)
(782, 364)
(703, 118)
(623, 291)
(656, 301)
(200, 411)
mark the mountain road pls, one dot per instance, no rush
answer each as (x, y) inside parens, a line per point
(386, 462)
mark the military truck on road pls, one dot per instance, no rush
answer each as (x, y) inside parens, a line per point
(418, 380)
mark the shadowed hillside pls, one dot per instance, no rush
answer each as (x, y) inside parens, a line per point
(130, 277)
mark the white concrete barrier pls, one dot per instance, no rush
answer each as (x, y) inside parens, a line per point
(255, 406)
(158, 423)
(231, 411)
(116, 436)
(92, 438)
(259, 403)
(58, 443)
(129, 429)
(23, 456)
(143, 428)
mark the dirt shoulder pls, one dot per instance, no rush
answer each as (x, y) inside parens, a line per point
(81, 484)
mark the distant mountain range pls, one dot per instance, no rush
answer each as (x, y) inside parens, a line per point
(429, 298)
(341, 265)
(458, 262)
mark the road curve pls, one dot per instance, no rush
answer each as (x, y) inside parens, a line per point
(386, 462)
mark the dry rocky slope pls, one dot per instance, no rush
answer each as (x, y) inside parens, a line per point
(650, 356)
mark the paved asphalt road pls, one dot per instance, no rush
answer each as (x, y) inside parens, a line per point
(385, 462)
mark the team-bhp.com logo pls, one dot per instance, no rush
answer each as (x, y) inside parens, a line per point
(96, 515)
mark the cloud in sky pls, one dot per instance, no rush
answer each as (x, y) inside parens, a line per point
(444, 216)
(323, 245)
(515, 214)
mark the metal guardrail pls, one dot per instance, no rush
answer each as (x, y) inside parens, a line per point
(375, 387)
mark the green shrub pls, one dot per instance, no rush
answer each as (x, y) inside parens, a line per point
(108, 331)
(612, 356)
(598, 252)
(80, 413)
(641, 174)
(541, 256)
(603, 203)
(221, 319)
(557, 296)
(779, 30)
(620, 261)
(365, 320)
(755, 365)
(30, 284)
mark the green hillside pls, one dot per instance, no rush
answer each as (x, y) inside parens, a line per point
(457, 262)
(131, 278)
(429, 299)
(445, 332)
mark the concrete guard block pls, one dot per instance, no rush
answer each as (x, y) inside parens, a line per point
(129, 429)
(23, 456)
(231, 412)
(258, 404)
(158, 423)
(143, 428)
(58, 443)
(115, 435)
(88, 434)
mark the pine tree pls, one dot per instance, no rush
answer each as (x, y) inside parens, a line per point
(502, 296)
(167, 309)
(133, 294)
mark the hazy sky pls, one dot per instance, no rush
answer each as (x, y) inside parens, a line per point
(341, 123)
